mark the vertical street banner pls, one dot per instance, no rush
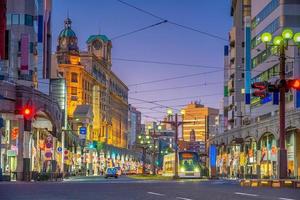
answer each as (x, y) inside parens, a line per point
(248, 61)
(24, 53)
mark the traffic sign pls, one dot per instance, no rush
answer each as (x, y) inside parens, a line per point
(59, 149)
(82, 130)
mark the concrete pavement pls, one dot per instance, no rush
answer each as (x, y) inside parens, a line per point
(124, 188)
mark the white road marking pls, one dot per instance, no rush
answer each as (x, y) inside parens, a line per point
(154, 193)
(282, 198)
(246, 194)
(183, 198)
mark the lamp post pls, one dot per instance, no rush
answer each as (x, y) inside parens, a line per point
(144, 142)
(175, 124)
(282, 42)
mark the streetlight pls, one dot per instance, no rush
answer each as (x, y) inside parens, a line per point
(282, 42)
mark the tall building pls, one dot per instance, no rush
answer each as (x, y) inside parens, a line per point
(92, 87)
(28, 39)
(134, 128)
(2, 30)
(198, 120)
(272, 16)
(234, 72)
(251, 151)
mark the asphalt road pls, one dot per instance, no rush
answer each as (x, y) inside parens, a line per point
(94, 188)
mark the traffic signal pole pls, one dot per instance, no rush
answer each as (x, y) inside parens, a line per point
(282, 88)
(176, 146)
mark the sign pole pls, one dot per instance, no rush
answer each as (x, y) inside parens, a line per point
(62, 152)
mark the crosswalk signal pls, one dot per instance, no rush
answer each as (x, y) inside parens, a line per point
(261, 89)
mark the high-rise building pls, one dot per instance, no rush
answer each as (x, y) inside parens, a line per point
(272, 16)
(2, 29)
(198, 120)
(234, 72)
(134, 128)
(28, 42)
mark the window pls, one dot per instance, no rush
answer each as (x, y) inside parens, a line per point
(73, 90)
(8, 19)
(22, 19)
(266, 11)
(15, 19)
(74, 77)
(28, 20)
(61, 74)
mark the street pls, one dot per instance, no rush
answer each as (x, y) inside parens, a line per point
(127, 188)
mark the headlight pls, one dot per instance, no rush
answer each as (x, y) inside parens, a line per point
(182, 169)
(196, 169)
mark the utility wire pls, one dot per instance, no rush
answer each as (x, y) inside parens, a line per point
(173, 78)
(173, 23)
(138, 30)
(178, 87)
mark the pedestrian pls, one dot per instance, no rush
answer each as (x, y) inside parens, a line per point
(289, 173)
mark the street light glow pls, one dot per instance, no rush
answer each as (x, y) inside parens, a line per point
(278, 40)
(182, 111)
(169, 111)
(266, 37)
(297, 38)
(287, 34)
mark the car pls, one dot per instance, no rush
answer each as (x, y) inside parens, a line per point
(119, 171)
(111, 172)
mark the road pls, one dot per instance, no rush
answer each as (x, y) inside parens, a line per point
(126, 188)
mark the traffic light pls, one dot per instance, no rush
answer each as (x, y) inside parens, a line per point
(261, 89)
(27, 112)
(294, 84)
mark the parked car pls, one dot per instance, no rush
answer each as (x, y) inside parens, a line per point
(111, 172)
(119, 171)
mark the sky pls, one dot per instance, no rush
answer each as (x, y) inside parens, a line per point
(162, 43)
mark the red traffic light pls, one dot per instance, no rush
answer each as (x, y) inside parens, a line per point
(294, 83)
(27, 112)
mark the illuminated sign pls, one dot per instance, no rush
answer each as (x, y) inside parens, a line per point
(187, 155)
(266, 99)
(213, 155)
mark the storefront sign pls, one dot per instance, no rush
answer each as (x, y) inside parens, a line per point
(11, 153)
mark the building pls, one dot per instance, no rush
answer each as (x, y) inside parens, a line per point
(251, 150)
(23, 149)
(234, 73)
(28, 43)
(96, 98)
(134, 128)
(198, 120)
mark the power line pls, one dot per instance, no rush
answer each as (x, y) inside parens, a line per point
(180, 98)
(174, 23)
(173, 78)
(178, 87)
(138, 30)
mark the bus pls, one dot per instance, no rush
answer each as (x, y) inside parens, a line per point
(188, 165)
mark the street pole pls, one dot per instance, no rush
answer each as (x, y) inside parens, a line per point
(62, 152)
(282, 150)
(144, 160)
(0, 153)
(176, 146)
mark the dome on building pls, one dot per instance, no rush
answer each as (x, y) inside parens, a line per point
(67, 31)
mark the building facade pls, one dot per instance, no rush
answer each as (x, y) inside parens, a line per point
(198, 120)
(251, 150)
(134, 120)
(96, 98)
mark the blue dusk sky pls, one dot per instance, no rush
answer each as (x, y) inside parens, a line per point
(163, 43)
